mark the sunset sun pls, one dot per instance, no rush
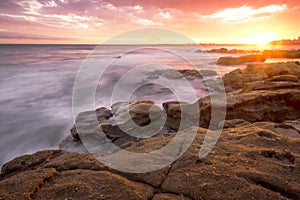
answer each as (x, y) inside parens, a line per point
(261, 38)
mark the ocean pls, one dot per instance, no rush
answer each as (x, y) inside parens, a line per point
(36, 84)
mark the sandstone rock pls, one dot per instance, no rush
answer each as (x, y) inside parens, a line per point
(253, 106)
(272, 72)
(119, 125)
(266, 85)
(102, 114)
(233, 123)
(290, 78)
(240, 60)
(282, 53)
(141, 112)
(166, 196)
(253, 161)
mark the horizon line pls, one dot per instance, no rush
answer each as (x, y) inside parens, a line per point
(230, 44)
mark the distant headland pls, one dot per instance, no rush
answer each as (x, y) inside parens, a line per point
(286, 42)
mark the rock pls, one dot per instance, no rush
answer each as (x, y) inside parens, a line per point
(118, 125)
(241, 51)
(220, 50)
(49, 181)
(141, 112)
(290, 78)
(253, 106)
(193, 74)
(166, 196)
(178, 74)
(167, 73)
(266, 85)
(190, 74)
(102, 114)
(176, 110)
(271, 72)
(233, 123)
(111, 129)
(232, 51)
(253, 161)
(282, 53)
(68, 144)
(205, 73)
(240, 60)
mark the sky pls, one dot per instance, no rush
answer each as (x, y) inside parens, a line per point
(94, 21)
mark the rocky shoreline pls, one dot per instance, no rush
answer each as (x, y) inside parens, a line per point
(256, 157)
(253, 56)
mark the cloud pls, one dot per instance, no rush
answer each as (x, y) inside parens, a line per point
(165, 15)
(51, 4)
(26, 36)
(148, 22)
(28, 18)
(89, 19)
(246, 13)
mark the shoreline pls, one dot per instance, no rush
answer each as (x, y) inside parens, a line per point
(259, 144)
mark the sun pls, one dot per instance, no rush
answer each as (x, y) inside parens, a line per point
(261, 38)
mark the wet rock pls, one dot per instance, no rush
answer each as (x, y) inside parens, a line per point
(240, 60)
(68, 144)
(101, 114)
(205, 73)
(220, 50)
(119, 125)
(167, 73)
(141, 112)
(232, 51)
(190, 74)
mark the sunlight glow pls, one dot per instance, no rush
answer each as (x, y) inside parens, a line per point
(261, 38)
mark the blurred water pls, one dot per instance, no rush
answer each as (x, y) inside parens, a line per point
(36, 83)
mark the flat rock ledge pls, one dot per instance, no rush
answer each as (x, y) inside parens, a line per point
(252, 161)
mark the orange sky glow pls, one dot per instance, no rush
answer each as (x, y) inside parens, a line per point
(94, 21)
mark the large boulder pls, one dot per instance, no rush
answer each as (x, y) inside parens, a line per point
(141, 112)
(116, 124)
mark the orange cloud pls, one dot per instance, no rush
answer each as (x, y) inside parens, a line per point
(246, 13)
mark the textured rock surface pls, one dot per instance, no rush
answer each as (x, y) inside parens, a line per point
(240, 60)
(123, 118)
(282, 53)
(254, 106)
(264, 92)
(238, 78)
(253, 161)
